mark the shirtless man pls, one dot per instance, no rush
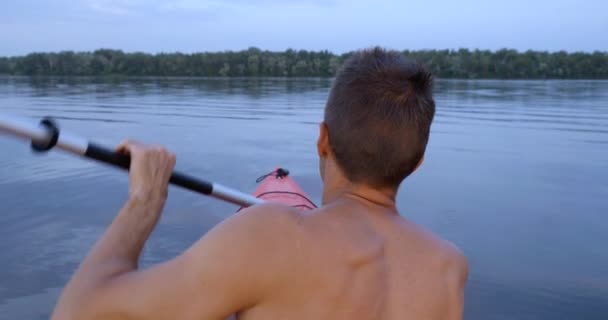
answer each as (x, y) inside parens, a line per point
(354, 258)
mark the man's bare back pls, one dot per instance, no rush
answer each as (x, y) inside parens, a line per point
(356, 260)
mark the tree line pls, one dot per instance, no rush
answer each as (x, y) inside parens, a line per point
(463, 63)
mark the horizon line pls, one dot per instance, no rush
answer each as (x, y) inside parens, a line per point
(308, 50)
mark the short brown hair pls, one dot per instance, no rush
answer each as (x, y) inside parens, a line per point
(378, 117)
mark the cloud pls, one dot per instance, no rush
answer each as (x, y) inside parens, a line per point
(126, 7)
(108, 9)
(195, 4)
(192, 5)
(118, 7)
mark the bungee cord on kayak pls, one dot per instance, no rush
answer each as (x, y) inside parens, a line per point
(275, 189)
(277, 185)
(305, 206)
(278, 173)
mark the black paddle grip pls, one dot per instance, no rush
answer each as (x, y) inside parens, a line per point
(108, 156)
(124, 161)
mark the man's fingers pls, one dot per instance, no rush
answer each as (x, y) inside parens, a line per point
(172, 159)
(130, 147)
(124, 147)
(138, 149)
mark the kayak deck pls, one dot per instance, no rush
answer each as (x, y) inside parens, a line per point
(277, 186)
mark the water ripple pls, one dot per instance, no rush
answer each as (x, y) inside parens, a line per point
(515, 174)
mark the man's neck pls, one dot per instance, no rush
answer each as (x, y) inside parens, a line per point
(343, 189)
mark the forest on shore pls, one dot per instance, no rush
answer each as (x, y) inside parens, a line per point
(253, 62)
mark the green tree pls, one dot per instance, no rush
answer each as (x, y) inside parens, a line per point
(5, 67)
(461, 63)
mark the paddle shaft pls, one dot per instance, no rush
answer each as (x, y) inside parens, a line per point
(49, 136)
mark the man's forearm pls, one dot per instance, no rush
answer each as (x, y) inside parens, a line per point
(125, 238)
(117, 251)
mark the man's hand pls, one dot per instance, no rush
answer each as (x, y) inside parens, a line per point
(151, 168)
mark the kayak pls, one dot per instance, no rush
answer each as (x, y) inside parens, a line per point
(279, 187)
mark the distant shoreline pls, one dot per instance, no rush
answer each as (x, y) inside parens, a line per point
(444, 64)
(247, 78)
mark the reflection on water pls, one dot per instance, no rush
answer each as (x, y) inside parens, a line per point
(516, 175)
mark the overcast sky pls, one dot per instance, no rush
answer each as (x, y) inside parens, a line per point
(336, 25)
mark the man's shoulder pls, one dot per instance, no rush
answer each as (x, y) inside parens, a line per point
(263, 224)
(447, 255)
(269, 215)
(258, 236)
(453, 262)
(456, 264)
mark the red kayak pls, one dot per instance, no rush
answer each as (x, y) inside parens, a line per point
(277, 186)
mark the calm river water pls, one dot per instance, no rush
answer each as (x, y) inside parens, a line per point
(516, 174)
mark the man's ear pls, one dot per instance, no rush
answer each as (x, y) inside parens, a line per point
(323, 142)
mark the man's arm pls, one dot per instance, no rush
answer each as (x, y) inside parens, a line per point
(219, 275)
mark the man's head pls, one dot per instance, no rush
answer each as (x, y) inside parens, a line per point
(377, 118)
